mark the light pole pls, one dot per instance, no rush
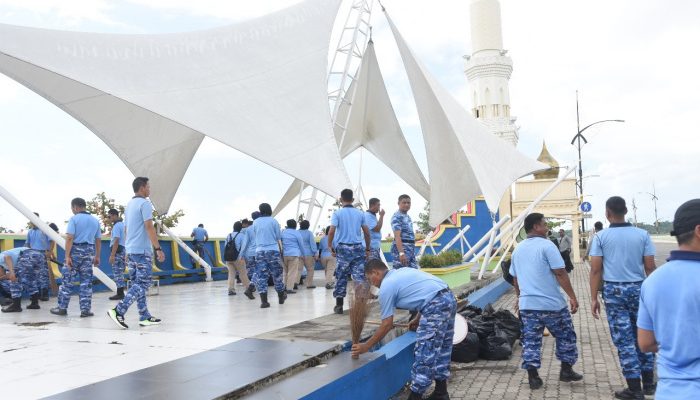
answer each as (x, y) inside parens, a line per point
(578, 139)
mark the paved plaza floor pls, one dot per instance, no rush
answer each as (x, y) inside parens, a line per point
(44, 354)
(505, 380)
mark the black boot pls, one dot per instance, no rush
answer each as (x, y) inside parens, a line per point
(338, 309)
(6, 302)
(119, 295)
(249, 292)
(648, 383)
(533, 378)
(34, 305)
(263, 301)
(16, 306)
(440, 392)
(44, 294)
(632, 392)
(415, 396)
(567, 374)
(282, 296)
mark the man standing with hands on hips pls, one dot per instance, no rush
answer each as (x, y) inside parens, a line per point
(140, 241)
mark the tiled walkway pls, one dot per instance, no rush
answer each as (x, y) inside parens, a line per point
(505, 380)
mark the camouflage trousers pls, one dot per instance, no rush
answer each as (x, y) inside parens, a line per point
(140, 267)
(82, 256)
(40, 266)
(559, 325)
(350, 260)
(434, 342)
(375, 254)
(26, 277)
(410, 251)
(622, 306)
(119, 267)
(268, 263)
(5, 288)
(250, 266)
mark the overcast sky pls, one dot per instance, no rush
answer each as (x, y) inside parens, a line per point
(631, 60)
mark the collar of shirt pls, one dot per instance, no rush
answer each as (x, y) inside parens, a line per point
(619, 224)
(348, 205)
(684, 255)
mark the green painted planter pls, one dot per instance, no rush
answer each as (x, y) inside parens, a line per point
(453, 275)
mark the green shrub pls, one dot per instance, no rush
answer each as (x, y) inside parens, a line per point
(441, 260)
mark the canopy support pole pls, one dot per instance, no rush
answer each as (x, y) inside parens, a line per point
(188, 250)
(44, 227)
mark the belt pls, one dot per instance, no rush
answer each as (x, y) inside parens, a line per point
(637, 282)
(37, 250)
(445, 290)
(82, 244)
(351, 244)
(408, 241)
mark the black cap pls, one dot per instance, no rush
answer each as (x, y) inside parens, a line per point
(687, 217)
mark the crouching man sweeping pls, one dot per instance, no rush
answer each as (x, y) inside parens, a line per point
(414, 290)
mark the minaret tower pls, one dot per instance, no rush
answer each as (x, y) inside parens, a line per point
(488, 70)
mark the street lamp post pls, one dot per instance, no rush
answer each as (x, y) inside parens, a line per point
(578, 139)
(654, 198)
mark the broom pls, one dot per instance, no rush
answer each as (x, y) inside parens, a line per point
(359, 309)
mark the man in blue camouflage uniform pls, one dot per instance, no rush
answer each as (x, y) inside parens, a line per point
(11, 264)
(117, 256)
(374, 225)
(267, 256)
(411, 289)
(624, 256)
(538, 272)
(40, 248)
(141, 239)
(83, 245)
(403, 250)
(247, 251)
(348, 223)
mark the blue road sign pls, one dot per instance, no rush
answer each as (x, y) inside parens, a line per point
(586, 206)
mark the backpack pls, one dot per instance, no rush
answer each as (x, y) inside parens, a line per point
(505, 268)
(231, 253)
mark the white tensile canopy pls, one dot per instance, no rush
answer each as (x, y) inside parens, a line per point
(464, 159)
(258, 86)
(371, 124)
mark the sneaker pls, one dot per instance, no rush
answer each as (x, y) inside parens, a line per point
(150, 321)
(117, 318)
(231, 292)
(85, 314)
(291, 291)
(58, 311)
(330, 286)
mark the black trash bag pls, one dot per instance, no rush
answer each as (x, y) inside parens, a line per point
(483, 326)
(496, 346)
(467, 350)
(470, 312)
(508, 323)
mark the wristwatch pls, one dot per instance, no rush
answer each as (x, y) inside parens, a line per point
(159, 249)
(401, 253)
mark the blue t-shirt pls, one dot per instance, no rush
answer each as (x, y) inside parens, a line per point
(408, 289)
(323, 245)
(371, 222)
(138, 211)
(348, 222)
(249, 248)
(37, 240)
(117, 233)
(84, 228)
(14, 256)
(532, 263)
(402, 222)
(623, 248)
(200, 234)
(307, 239)
(267, 233)
(669, 306)
(291, 242)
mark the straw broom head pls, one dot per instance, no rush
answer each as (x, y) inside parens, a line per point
(359, 309)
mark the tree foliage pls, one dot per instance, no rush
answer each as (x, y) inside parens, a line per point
(100, 205)
(423, 222)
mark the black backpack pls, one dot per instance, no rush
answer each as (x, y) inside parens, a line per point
(231, 253)
(505, 268)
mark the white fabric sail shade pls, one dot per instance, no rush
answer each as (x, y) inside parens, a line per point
(371, 124)
(257, 86)
(464, 159)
